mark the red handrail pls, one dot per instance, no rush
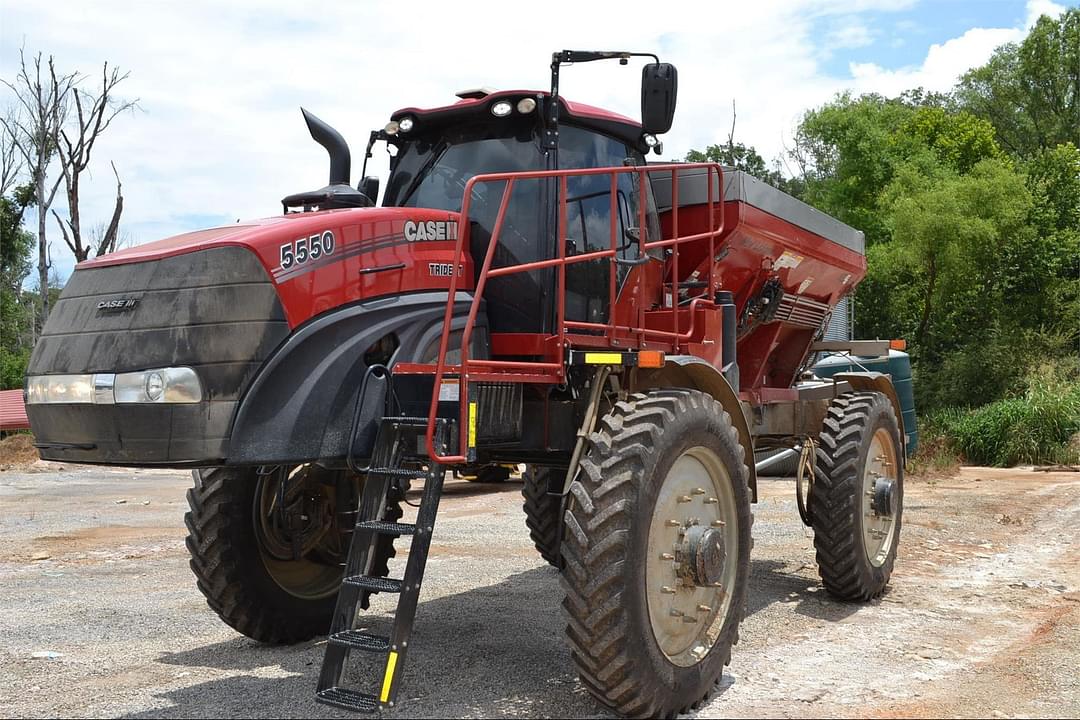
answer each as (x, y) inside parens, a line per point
(556, 371)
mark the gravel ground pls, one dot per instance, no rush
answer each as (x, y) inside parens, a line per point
(982, 618)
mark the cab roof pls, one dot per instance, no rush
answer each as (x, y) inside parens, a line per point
(478, 103)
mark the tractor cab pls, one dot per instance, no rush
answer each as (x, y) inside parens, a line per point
(434, 153)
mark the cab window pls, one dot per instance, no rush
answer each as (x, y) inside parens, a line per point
(589, 218)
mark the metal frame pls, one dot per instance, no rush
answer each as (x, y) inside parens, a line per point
(553, 371)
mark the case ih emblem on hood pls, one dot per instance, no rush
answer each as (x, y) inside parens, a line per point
(430, 230)
(117, 305)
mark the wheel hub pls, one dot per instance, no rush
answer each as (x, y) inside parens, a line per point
(689, 572)
(294, 524)
(880, 497)
(701, 556)
(884, 497)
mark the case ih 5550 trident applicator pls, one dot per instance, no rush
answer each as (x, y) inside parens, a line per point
(530, 291)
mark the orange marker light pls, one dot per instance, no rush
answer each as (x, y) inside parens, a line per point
(898, 345)
(650, 358)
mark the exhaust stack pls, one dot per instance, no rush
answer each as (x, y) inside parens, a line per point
(336, 147)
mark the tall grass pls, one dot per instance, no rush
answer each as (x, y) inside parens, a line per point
(1034, 427)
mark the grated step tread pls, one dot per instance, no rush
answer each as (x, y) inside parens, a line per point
(406, 420)
(398, 472)
(387, 528)
(356, 640)
(348, 699)
(378, 584)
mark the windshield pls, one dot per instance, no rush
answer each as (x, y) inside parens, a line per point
(431, 173)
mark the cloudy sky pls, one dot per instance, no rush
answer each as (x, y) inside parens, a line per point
(219, 135)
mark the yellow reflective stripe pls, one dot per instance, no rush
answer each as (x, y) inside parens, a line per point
(599, 358)
(472, 424)
(388, 680)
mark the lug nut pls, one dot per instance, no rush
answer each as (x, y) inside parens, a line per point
(704, 608)
(667, 590)
(684, 498)
(667, 556)
(698, 491)
(718, 523)
(677, 613)
(711, 501)
(673, 523)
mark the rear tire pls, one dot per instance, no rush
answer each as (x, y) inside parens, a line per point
(855, 543)
(231, 564)
(543, 512)
(628, 654)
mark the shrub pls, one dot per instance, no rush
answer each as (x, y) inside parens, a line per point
(1033, 428)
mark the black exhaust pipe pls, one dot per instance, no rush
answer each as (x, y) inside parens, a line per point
(338, 149)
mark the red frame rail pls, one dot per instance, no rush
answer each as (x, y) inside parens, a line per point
(554, 372)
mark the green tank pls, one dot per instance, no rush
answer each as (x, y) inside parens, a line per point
(898, 366)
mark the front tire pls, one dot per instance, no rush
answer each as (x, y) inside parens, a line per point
(243, 567)
(661, 469)
(857, 497)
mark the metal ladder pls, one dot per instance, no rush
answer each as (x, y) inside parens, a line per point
(399, 453)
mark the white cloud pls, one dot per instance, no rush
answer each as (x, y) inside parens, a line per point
(849, 34)
(944, 63)
(220, 134)
(1037, 8)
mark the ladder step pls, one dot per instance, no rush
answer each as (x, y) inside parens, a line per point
(405, 420)
(348, 699)
(357, 640)
(387, 528)
(378, 584)
(398, 472)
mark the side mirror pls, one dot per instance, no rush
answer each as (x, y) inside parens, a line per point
(659, 83)
(370, 186)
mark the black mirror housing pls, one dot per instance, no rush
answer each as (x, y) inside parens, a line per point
(659, 85)
(369, 186)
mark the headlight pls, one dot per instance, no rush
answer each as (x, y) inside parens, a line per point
(405, 124)
(60, 389)
(163, 385)
(502, 108)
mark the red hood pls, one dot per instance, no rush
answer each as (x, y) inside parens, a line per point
(320, 260)
(247, 233)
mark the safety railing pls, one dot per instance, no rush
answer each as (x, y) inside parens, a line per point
(554, 372)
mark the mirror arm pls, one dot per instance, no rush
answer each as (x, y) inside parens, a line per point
(568, 57)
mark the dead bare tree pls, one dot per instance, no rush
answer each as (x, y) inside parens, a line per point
(43, 104)
(731, 135)
(94, 112)
(118, 238)
(11, 161)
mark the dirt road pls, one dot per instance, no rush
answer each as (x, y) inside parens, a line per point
(982, 619)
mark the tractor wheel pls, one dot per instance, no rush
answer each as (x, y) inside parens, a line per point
(268, 561)
(857, 497)
(543, 512)
(657, 552)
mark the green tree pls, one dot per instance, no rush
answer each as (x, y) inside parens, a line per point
(965, 276)
(16, 305)
(745, 158)
(851, 149)
(1030, 91)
